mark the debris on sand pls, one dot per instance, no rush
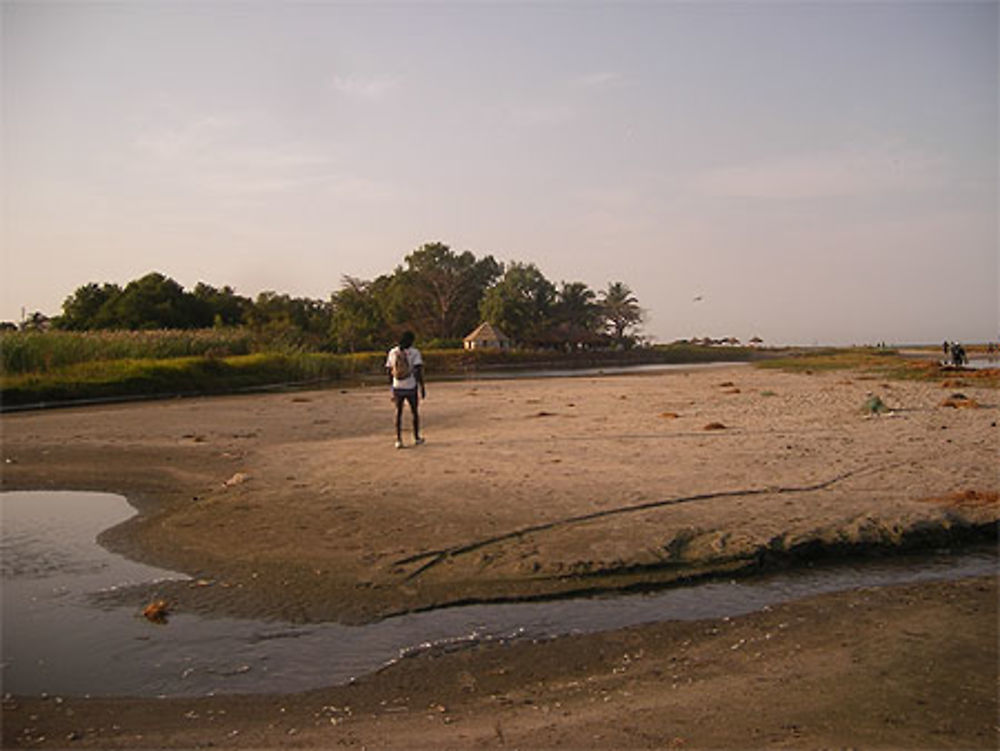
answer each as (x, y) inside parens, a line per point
(238, 479)
(966, 498)
(157, 611)
(875, 406)
(669, 415)
(959, 400)
(714, 426)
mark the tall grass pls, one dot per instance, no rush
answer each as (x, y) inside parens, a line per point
(54, 367)
(101, 379)
(44, 352)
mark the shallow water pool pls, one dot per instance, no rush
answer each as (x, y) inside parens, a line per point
(56, 640)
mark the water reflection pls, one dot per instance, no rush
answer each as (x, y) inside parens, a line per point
(56, 641)
(498, 374)
(52, 636)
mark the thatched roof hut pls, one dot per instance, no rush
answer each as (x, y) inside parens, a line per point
(487, 336)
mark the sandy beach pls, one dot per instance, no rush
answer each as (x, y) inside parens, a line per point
(296, 507)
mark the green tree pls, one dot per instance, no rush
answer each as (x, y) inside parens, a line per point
(357, 322)
(576, 315)
(89, 307)
(220, 306)
(441, 290)
(154, 302)
(521, 303)
(290, 322)
(620, 311)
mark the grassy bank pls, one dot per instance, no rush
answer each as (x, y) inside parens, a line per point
(880, 363)
(44, 352)
(65, 377)
(133, 378)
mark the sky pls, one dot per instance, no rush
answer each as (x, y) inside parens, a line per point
(806, 172)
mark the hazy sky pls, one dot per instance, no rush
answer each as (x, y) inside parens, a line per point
(815, 171)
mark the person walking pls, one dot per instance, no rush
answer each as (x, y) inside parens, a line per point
(958, 356)
(406, 375)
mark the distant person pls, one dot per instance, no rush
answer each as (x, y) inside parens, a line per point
(946, 348)
(958, 357)
(406, 373)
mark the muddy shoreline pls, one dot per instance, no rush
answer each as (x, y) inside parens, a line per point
(295, 507)
(902, 667)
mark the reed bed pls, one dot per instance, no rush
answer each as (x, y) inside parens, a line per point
(133, 378)
(44, 352)
(58, 367)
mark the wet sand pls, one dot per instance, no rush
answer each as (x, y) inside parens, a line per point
(297, 507)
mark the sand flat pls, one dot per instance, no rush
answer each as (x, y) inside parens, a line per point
(297, 507)
(302, 508)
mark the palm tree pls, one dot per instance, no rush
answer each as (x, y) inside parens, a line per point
(576, 315)
(620, 310)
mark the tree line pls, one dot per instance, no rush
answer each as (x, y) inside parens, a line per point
(438, 293)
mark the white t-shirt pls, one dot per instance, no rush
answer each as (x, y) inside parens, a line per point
(415, 359)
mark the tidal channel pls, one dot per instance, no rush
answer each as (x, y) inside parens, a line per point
(57, 639)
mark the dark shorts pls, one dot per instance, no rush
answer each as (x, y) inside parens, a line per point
(409, 395)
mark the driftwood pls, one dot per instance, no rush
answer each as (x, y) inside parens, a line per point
(440, 554)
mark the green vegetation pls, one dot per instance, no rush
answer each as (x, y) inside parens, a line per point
(878, 363)
(44, 352)
(152, 337)
(437, 293)
(101, 377)
(824, 359)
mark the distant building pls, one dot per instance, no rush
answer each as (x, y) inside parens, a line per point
(487, 336)
(36, 322)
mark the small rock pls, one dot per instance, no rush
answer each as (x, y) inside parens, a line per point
(237, 479)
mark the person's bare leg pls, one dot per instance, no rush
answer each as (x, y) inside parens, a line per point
(399, 422)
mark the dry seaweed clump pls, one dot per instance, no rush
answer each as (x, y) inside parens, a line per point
(958, 401)
(875, 406)
(966, 499)
(157, 611)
